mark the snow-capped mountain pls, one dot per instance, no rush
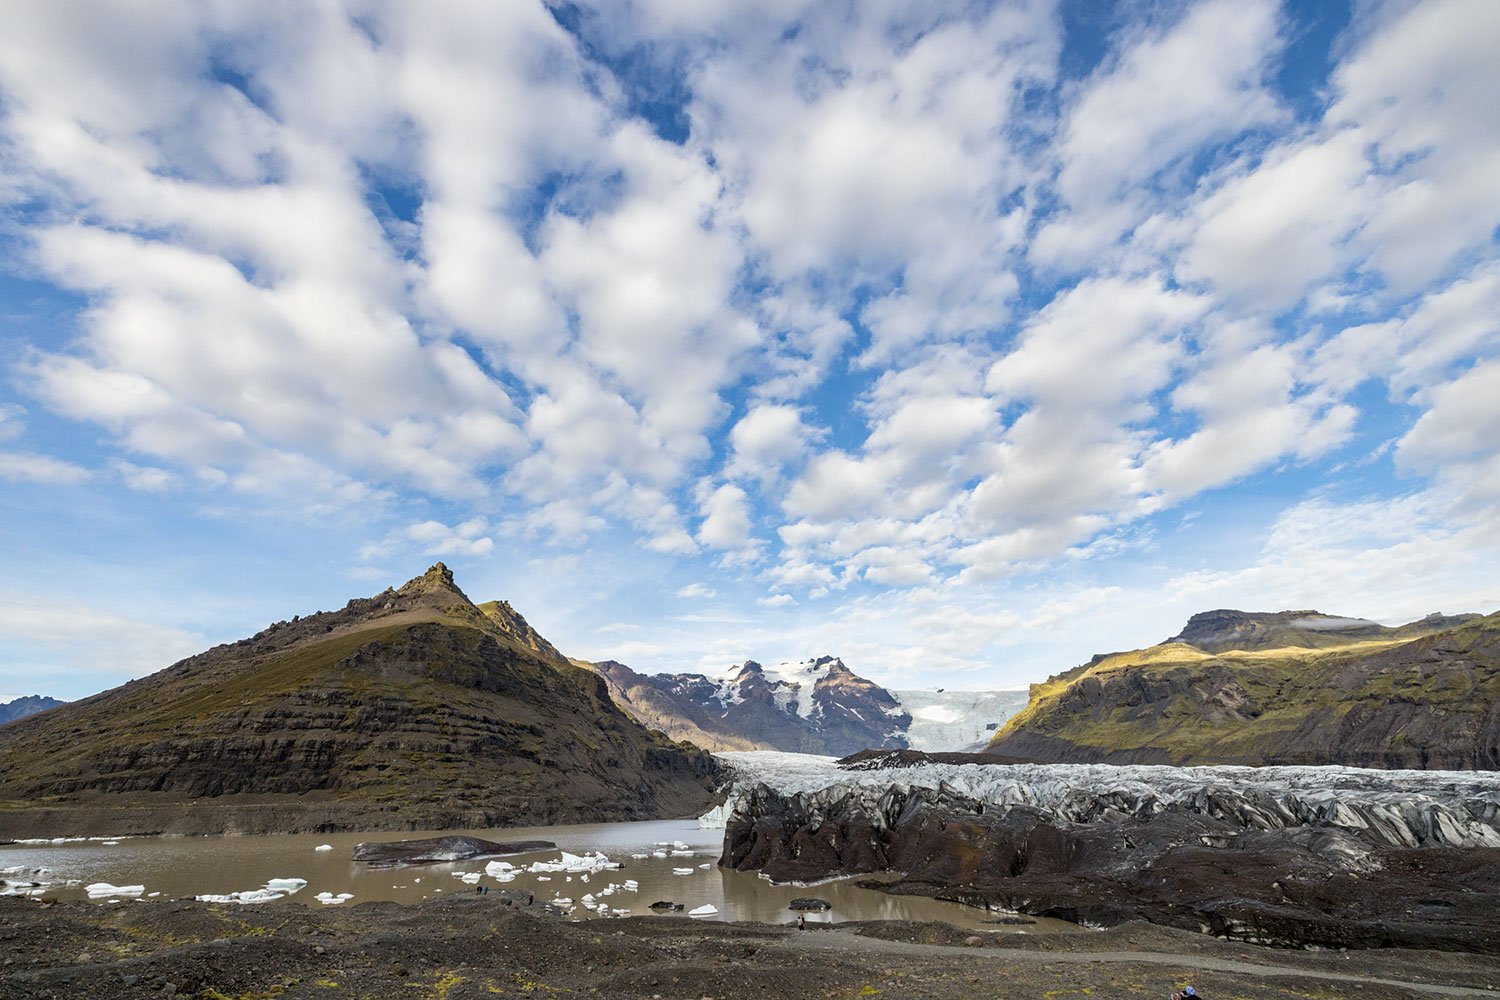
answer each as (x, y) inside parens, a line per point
(814, 706)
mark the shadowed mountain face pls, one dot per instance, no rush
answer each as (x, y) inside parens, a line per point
(1292, 687)
(20, 708)
(814, 706)
(410, 709)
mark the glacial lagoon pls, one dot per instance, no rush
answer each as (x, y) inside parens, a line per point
(185, 867)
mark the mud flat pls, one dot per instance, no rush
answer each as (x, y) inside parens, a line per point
(486, 946)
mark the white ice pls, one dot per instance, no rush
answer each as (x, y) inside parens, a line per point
(99, 890)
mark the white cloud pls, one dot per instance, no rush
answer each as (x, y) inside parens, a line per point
(466, 539)
(26, 467)
(767, 439)
(1167, 97)
(57, 635)
(144, 479)
(777, 601)
(695, 590)
(726, 518)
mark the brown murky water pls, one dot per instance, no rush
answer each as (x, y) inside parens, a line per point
(174, 867)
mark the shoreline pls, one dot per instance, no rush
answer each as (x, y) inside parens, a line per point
(467, 947)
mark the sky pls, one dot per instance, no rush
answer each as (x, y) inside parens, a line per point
(961, 340)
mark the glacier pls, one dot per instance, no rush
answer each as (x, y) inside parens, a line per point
(1387, 808)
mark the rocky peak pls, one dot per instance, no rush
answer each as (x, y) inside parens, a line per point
(437, 580)
(509, 621)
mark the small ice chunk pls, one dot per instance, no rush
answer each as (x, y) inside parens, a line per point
(705, 865)
(286, 884)
(323, 847)
(682, 871)
(706, 910)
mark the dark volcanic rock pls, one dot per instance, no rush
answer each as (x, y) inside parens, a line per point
(1296, 887)
(809, 904)
(432, 849)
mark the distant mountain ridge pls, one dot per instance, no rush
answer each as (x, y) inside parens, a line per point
(1288, 687)
(816, 706)
(20, 708)
(410, 709)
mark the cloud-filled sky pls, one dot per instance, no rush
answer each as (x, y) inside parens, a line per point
(962, 340)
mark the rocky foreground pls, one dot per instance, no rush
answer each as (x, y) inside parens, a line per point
(471, 947)
(1295, 857)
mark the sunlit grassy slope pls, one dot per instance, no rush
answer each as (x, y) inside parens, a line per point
(1397, 701)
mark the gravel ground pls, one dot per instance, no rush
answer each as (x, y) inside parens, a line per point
(471, 947)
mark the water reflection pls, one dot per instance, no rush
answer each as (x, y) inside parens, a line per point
(171, 867)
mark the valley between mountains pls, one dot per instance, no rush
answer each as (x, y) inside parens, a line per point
(1291, 778)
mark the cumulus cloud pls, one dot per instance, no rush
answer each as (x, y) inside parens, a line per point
(26, 467)
(726, 518)
(845, 299)
(466, 539)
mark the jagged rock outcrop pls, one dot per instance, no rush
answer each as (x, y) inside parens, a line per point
(20, 708)
(1290, 857)
(1291, 687)
(410, 709)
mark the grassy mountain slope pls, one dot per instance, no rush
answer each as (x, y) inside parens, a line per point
(410, 709)
(1426, 695)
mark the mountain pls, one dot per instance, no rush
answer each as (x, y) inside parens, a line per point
(1291, 687)
(411, 709)
(814, 706)
(20, 708)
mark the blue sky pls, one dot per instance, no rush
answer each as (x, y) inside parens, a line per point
(961, 340)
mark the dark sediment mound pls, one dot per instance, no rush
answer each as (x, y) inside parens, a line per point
(880, 760)
(809, 904)
(433, 849)
(1298, 886)
(412, 709)
(1293, 687)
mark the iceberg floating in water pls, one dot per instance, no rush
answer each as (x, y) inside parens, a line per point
(682, 871)
(323, 847)
(276, 888)
(574, 863)
(99, 890)
(706, 910)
